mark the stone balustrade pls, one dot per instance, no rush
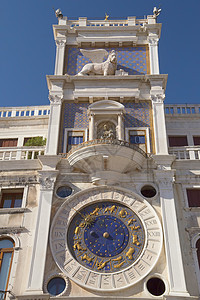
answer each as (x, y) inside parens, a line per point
(186, 152)
(83, 21)
(21, 153)
(24, 111)
(106, 142)
(182, 109)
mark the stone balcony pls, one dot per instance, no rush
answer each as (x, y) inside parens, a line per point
(103, 158)
(21, 153)
(186, 152)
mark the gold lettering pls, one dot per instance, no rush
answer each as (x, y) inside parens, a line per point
(123, 213)
(110, 209)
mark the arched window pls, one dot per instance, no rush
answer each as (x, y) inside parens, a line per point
(6, 255)
(198, 251)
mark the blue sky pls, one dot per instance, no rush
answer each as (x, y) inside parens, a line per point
(27, 48)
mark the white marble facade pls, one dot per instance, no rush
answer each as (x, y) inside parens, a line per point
(93, 156)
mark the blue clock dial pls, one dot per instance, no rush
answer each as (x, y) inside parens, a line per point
(106, 236)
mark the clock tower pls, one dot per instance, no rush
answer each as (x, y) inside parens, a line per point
(107, 179)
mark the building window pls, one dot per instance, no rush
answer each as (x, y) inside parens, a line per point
(6, 254)
(11, 199)
(193, 196)
(198, 251)
(8, 142)
(196, 140)
(56, 286)
(138, 137)
(74, 138)
(177, 141)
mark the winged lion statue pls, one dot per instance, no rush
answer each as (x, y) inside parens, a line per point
(98, 66)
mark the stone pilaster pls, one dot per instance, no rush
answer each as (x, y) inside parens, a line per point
(35, 283)
(164, 177)
(56, 98)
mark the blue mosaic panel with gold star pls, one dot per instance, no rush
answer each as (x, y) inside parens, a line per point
(133, 60)
(106, 236)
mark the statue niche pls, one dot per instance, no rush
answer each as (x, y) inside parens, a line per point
(98, 67)
(106, 130)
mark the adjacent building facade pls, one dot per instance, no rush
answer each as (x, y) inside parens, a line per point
(100, 190)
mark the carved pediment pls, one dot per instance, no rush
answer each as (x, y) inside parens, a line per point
(105, 105)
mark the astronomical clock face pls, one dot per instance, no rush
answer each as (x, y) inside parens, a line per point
(106, 239)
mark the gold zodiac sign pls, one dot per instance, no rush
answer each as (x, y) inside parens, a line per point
(76, 231)
(119, 265)
(95, 212)
(101, 264)
(78, 247)
(130, 252)
(134, 227)
(86, 257)
(135, 240)
(106, 17)
(110, 209)
(117, 259)
(123, 213)
(131, 221)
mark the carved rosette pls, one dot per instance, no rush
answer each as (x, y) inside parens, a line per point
(55, 99)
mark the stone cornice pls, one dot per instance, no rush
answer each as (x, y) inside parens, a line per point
(108, 86)
(4, 230)
(148, 28)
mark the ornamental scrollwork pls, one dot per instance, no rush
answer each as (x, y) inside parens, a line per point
(158, 98)
(47, 183)
(153, 41)
(55, 99)
(60, 43)
(166, 182)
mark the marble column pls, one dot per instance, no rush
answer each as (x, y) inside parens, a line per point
(153, 54)
(120, 127)
(91, 129)
(60, 56)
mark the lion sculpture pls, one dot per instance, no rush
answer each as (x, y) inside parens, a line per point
(105, 68)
